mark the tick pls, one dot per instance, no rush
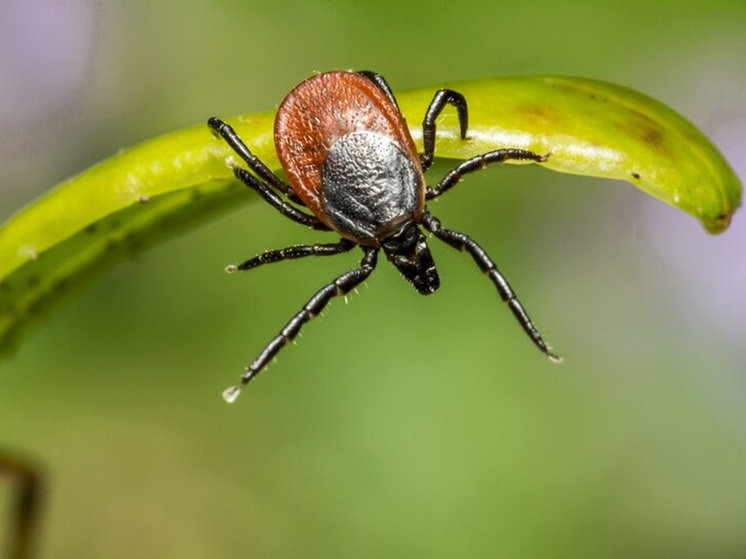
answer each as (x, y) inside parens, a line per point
(350, 160)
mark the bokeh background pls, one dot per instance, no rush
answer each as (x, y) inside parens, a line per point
(400, 426)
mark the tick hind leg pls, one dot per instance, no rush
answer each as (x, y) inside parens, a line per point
(226, 132)
(382, 84)
(262, 188)
(441, 98)
(463, 242)
(340, 286)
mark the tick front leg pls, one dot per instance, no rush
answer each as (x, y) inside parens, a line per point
(340, 286)
(463, 242)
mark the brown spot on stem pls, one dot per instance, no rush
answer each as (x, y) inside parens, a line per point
(652, 136)
(542, 117)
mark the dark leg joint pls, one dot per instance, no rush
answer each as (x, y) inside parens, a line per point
(442, 98)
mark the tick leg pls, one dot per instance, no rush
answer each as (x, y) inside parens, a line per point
(27, 505)
(278, 203)
(442, 98)
(340, 286)
(478, 163)
(289, 253)
(382, 84)
(226, 132)
(463, 242)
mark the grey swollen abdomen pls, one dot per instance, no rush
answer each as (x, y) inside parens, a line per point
(369, 186)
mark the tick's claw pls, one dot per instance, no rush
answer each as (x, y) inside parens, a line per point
(230, 394)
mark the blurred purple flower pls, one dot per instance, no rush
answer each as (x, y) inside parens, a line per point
(713, 268)
(45, 52)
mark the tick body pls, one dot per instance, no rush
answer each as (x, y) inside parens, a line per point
(350, 160)
(349, 156)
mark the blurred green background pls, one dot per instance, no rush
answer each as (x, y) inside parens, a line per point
(400, 425)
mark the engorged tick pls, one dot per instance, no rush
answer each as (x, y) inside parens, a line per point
(350, 159)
